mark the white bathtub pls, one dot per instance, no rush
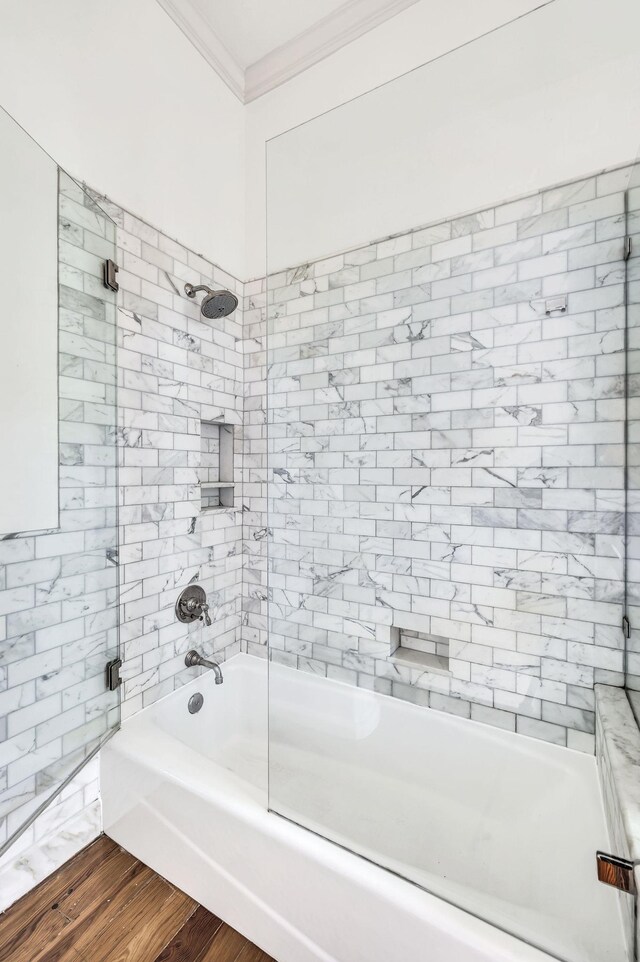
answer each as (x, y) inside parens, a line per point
(502, 825)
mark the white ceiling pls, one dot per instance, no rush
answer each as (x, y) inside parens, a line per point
(255, 45)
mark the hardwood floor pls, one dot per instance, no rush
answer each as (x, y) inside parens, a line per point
(106, 906)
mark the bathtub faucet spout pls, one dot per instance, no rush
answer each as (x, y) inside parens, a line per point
(192, 659)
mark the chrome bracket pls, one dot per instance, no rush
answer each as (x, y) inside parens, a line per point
(616, 871)
(553, 304)
(109, 271)
(113, 678)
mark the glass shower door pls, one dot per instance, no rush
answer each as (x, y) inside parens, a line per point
(632, 214)
(446, 473)
(59, 550)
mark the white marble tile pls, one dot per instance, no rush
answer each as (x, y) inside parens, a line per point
(72, 820)
(509, 454)
(619, 748)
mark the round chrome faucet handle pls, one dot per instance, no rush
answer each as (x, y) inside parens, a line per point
(190, 603)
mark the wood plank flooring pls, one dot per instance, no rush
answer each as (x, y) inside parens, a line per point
(106, 906)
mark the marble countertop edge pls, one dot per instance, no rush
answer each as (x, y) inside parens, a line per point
(621, 737)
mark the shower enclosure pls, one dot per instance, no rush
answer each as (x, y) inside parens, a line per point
(58, 543)
(451, 454)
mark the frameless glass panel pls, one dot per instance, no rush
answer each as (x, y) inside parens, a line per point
(59, 582)
(632, 214)
(446, 443)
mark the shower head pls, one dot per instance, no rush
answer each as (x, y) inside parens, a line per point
(216, 303)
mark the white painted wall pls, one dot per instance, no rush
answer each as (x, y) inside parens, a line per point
(544, 99)
(28, 333)
(419, 34)
(121, 99)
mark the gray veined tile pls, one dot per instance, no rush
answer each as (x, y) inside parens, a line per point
(377, 366)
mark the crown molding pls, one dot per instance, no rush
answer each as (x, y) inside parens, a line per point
(350, 21)
(325, 37)
(201, 34)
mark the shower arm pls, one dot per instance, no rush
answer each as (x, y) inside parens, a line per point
(191, 291)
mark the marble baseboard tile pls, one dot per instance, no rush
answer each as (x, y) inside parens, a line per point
(73, 820)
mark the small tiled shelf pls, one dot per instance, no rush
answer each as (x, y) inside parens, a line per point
(217, 488)
(414, 649)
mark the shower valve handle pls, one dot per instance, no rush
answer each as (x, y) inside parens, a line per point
(192, 605)
(199, 609)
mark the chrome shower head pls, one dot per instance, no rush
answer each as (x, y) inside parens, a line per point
(216, 303)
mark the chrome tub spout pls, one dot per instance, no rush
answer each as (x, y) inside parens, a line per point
(192, 659)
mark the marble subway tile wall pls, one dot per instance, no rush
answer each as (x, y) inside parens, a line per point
(173, 371)
(71, 821)
(446, 451)
(446, 462)
(255, 533)
(58, 589)
(176, 370)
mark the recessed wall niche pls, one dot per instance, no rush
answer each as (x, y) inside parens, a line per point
(216, 465)
(416, 649)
